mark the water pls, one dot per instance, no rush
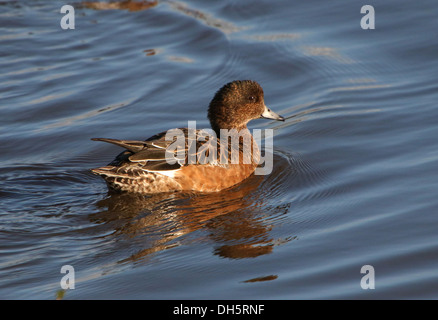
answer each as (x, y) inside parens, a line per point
(355, 164)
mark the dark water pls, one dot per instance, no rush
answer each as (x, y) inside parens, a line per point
(355, 164)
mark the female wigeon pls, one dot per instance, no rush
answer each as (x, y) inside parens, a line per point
(155, 165)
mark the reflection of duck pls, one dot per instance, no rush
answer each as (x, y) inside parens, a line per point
(235, 219)
(145, 167)
(123, 5)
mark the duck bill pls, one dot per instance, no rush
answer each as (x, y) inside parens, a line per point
(269, 114)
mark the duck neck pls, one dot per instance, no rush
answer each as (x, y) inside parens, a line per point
(241, 140)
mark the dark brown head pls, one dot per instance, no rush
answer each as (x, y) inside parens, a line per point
(237, 103)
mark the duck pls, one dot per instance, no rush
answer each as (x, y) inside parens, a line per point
(190, 159)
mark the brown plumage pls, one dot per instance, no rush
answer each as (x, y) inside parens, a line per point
(195, 163)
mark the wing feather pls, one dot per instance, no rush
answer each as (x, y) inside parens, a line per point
(150, 155)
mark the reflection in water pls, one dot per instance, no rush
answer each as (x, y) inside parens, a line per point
(260, 279)
(225, 26)
(235, 219)
(214, 22)
(332, 53)
(120, 5)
